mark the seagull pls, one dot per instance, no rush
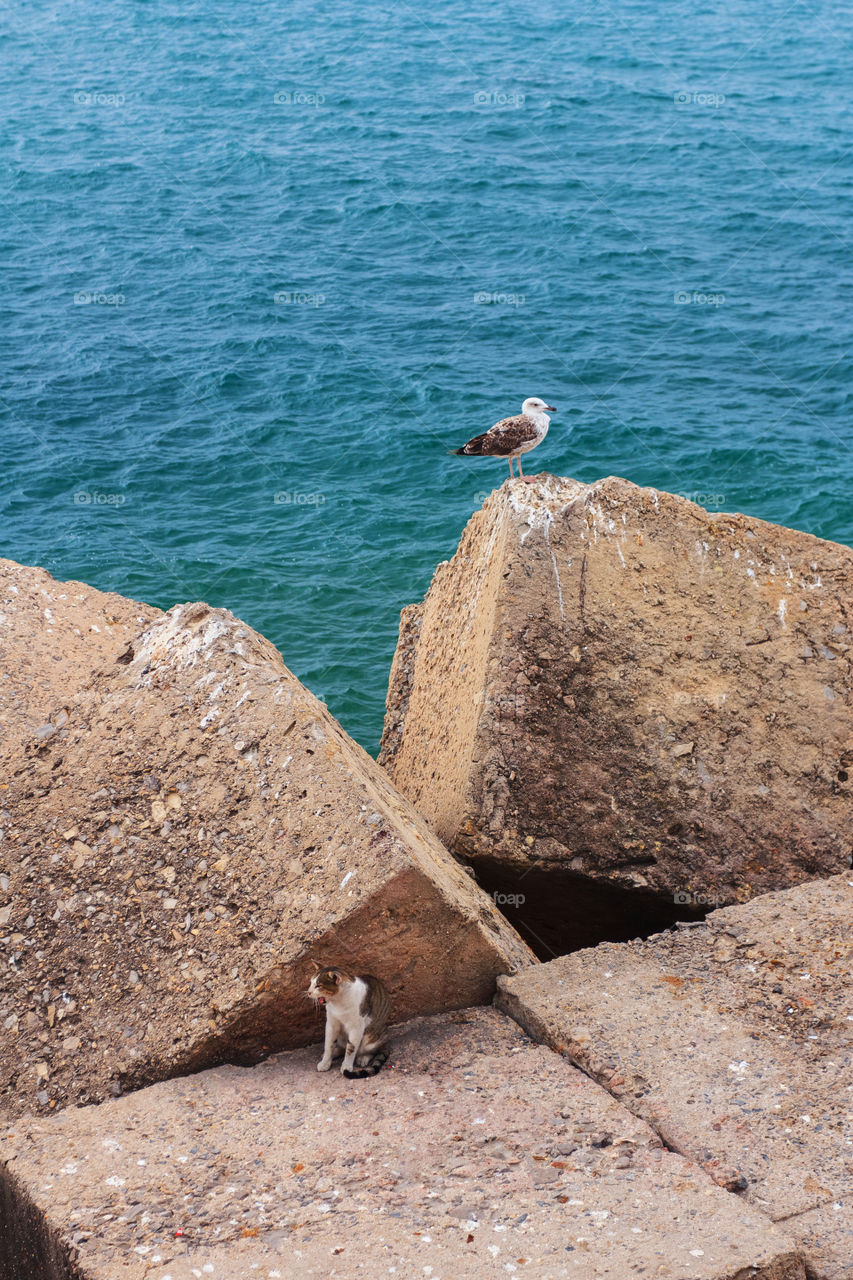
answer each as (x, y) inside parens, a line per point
(511, 437)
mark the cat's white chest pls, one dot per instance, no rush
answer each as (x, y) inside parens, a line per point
(347, 1004)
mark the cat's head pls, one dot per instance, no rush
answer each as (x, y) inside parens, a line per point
(326, 984)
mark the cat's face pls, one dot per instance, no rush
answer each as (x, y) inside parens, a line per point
(325, 985)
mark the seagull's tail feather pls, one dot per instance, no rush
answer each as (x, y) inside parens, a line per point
(474, 447)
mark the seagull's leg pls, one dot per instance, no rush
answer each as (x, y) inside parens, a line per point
(511, 473)
(526, 479)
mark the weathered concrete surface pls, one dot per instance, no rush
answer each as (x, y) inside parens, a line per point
(611, 681)
(53, 635)
(734, 1040)
(175, 854)
(480, 1155)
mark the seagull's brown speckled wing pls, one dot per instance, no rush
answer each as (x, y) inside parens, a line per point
(504, 437)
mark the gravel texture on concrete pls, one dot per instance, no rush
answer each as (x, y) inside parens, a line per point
(480, 1154)
(53, 636)
(173, 857)
(734, 1040)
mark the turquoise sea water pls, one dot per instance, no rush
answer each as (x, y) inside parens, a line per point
(301, 250)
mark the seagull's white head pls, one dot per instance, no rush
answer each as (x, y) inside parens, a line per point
(536, 407)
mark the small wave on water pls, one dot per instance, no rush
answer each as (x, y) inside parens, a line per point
(269, 263)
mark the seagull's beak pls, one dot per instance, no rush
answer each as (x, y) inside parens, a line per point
(550, 408)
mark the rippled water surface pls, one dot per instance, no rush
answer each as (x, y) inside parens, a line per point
(266, 263)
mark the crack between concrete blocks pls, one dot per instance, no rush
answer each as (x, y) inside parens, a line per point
(538, 1033)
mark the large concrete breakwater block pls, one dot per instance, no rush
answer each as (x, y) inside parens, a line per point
(481, 1154)
(734, 1040)
(610, 684)
(175, 853)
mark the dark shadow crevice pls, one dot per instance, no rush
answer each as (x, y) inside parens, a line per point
(29, 1250)
(557, 911)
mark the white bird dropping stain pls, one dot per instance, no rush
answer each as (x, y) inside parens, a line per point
(549, 520)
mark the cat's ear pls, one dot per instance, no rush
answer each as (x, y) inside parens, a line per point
(336, 976)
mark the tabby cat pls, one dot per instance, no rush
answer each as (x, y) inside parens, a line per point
(357, 1009)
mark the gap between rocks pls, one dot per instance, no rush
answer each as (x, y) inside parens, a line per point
(557, 911)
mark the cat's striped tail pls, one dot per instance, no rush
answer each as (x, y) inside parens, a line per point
(376, 1065)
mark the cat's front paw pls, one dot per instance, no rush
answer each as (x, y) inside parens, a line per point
(324, 1064)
